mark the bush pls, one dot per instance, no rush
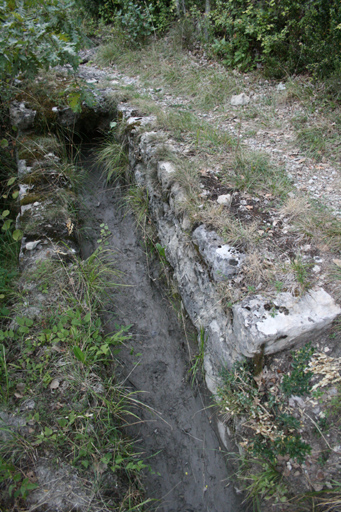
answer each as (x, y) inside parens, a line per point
(285, 36)
(138, 19)
(37, 35)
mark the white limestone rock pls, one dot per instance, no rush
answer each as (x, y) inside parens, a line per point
(165, 173)
(240, 100)
(225, 199)
(30, 246)
(21, 116)
(282, 322)
(223, 260)
(281, 87)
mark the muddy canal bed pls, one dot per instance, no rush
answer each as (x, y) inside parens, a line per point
(189, 472)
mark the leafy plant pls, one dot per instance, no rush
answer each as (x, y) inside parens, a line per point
(283, 37)
(300, 268)
(298, 381)
(274, 430)
(37, 35)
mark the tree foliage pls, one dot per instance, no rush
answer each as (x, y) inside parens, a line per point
(283, 35)
(37, 34)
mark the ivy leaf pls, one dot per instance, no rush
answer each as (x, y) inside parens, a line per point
(7, 224)
(17, 234)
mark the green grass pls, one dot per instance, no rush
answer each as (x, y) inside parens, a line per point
(69, 347)
(253, 172)
(171, 66)
(113, 158)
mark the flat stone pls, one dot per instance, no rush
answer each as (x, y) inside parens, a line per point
(223, 260)
(283, 322)
(240, 100)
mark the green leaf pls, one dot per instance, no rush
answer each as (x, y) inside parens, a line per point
(48, 432)
(15, 194)
(7, 224)
(79, 354)
(5, 213)
(4, 143)
(87, 318)
(17, 234)
(11, 181)
(75, 102)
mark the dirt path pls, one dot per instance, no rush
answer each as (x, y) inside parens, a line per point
(189, 470)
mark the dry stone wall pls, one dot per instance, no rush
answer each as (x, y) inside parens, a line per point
(201, 258)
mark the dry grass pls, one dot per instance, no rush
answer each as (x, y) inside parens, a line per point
(314, 221)
(256, 269)
(295, 207)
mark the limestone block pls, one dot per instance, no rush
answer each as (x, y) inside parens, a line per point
(282, 322)
(223, 260)
(225, 199)
(240, 100)
(165, 173)
(22, 117)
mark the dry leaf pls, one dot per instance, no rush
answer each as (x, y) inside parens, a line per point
(69, 226)
(337, 262)
(17, 395)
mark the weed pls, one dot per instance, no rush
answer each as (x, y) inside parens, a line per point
(162, 254)
(318, 141)
(279, 286)
(37, 147)
(301, 271)
(197, 363)
(137, 202)
(328, 500)
(265, 483)
(68, 346)
(113, 157)
(105, 234)
(314, 221)
(298, 381)
(269, 428)
(254, 173)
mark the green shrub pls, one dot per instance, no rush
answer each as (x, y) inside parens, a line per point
(286, 36)
(276, 431)
(298, 381)
(139, 19)
(37, 35)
